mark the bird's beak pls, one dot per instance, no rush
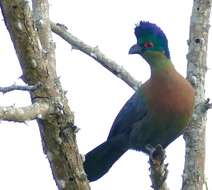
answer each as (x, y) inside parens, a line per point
(135, 49)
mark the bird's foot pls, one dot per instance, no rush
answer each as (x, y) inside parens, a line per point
(157, 154)
(158, 169)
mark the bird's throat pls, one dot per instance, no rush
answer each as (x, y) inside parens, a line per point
(157, 61)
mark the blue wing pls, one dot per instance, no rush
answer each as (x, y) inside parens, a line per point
(133, 110)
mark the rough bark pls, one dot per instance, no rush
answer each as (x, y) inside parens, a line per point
(193, 175)
(36, 57)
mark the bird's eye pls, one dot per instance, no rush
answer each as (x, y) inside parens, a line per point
(148, 44)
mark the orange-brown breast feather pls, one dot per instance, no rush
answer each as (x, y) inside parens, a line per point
(170, 93)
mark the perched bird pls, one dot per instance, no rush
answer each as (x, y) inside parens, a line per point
(156, 114)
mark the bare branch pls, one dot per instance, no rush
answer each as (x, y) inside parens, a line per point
(96, 54)
(19, 87)
(41, 19)
(22, 114)
(193, 174)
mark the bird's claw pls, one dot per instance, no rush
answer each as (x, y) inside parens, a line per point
(158, 169)
(157, 154)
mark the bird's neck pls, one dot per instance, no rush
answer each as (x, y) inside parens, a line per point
(158, 62)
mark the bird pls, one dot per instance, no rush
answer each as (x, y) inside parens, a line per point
(157, 113)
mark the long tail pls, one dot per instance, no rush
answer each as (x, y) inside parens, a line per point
(99, 160)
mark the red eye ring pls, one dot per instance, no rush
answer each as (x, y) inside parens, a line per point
(148, 44)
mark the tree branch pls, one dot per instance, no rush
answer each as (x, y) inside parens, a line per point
(193, 174)
(35, 53)
(22, 114)
(96, 54)
(19, 87)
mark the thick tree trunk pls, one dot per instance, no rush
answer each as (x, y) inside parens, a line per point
(35, 50)
(193, 175)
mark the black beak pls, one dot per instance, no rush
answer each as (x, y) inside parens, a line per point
(135, 49)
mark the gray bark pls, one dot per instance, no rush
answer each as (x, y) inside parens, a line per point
(193, 174)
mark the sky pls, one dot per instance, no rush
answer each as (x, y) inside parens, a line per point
(95, 95)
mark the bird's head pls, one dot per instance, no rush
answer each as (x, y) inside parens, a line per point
(151, 42)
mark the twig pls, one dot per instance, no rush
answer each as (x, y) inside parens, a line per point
(19, 87)
(96, 54)
(207, 104)
(22, 114)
